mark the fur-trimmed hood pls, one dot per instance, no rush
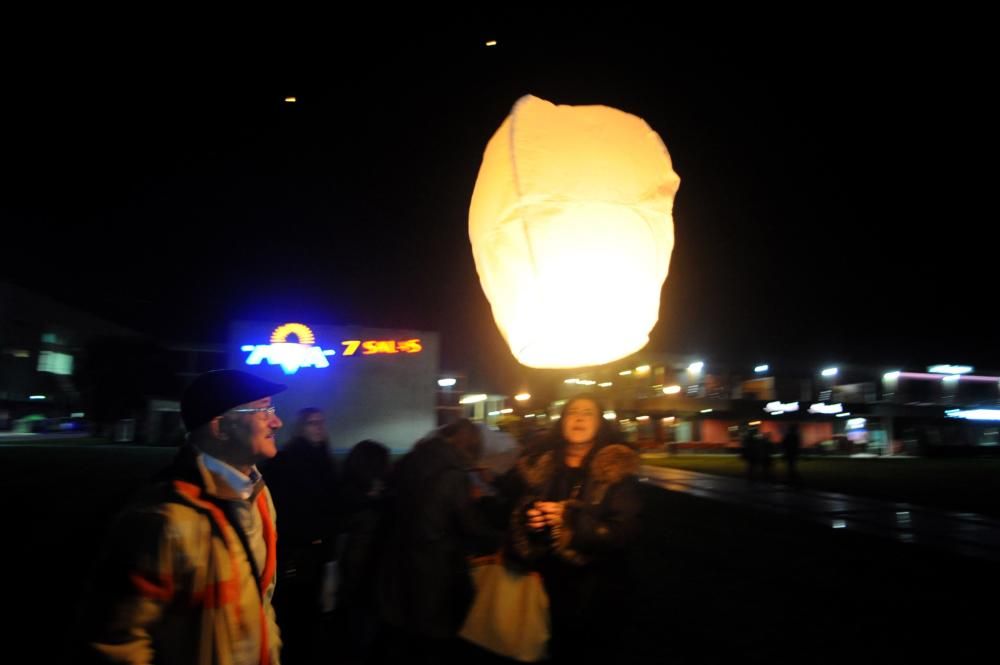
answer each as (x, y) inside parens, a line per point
(609, 465)
(606, 468)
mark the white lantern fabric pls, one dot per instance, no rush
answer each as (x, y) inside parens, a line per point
(571, 228)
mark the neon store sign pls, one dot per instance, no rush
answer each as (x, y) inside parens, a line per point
(293, 346)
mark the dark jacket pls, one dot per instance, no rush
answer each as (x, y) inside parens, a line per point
(584, 565)
(362, 517)
(432, 526)
(303, 481)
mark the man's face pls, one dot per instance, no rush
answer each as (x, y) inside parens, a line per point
(250, 435)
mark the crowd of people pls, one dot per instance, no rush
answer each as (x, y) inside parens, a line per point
(243, 553)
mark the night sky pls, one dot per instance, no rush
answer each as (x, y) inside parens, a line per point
(835, 201)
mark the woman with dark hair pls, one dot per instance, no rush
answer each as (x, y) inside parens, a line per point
(362, 485)
(577, 517)
(364, 473)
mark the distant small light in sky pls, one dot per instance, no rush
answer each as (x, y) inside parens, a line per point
(290, 100)
(492, 42)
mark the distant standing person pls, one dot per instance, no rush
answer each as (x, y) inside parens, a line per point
(749, 452)
(791, 446)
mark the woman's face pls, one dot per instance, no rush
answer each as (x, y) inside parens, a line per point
(314, 428)
(581, 421)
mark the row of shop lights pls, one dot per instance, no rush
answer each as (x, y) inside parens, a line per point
(949, 373)
(944, 372)
(819, 408)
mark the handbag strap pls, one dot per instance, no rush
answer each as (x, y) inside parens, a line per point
(486, 559)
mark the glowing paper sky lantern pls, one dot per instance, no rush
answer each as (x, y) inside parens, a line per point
(572, 229)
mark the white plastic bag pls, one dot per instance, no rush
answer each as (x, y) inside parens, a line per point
(328, 589)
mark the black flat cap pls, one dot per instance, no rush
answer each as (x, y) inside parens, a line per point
(214, 393)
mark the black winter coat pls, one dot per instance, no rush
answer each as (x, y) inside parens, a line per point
(432, 526)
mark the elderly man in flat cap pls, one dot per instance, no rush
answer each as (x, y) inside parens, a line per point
(189, 573)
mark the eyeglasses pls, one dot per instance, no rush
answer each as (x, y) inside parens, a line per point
(266, 410)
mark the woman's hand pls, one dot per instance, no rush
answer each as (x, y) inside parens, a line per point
(551, 512)
(536, 518)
